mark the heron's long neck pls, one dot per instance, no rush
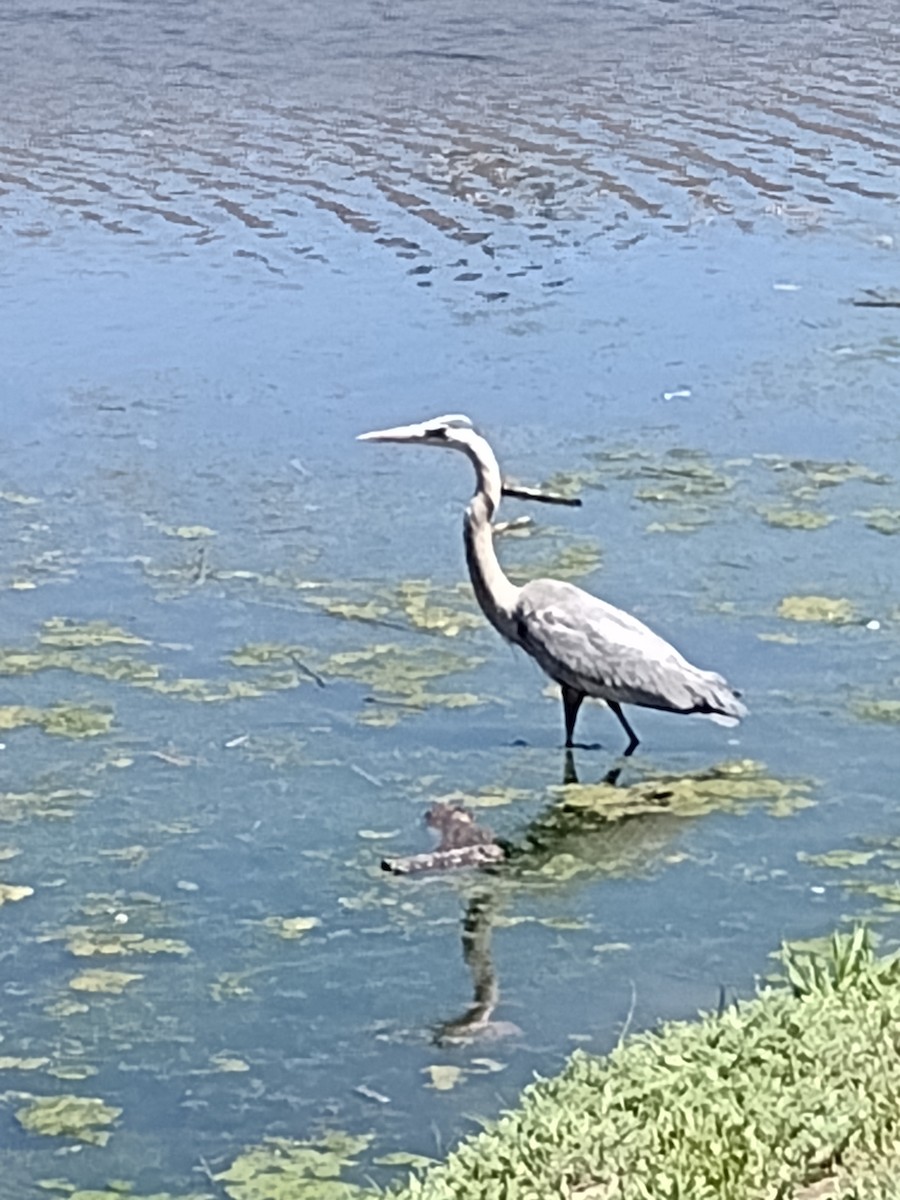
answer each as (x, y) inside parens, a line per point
(496, 594)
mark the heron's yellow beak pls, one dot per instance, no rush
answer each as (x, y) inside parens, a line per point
(400, 433)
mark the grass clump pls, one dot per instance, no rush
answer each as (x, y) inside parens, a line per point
(795, 1092)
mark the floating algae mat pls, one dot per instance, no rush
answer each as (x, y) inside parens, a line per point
(399, 677)
(286, 1169)
(795, 518)
(417, 603)
(882, 520)
(81, 648)
(81, 1117)
(59, 720)
(828, 609)
(887, 711)
(728, 786)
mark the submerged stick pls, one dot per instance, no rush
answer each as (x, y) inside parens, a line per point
(445, 860)
(517, 492)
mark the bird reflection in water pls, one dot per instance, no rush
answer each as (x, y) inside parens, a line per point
(477, 1022)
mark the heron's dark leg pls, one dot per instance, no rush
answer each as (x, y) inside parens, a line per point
(571, 699)
(633, 740)
(570, 775)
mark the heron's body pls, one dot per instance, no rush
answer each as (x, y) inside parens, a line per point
(589, 647)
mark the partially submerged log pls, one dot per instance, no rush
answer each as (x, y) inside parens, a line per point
(463, 843)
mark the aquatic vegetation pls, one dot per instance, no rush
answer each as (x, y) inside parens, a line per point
(11, 1063)
(795, 518)
(882, 520)
(399, 676)
(116, 1189)
(287, 1169)
(54, 803)
(417, 603)
(877, 710)
(442, 1077)
(815, 474)
(290, 928)
(61, 647)
(10, 893)
(83, 942)
(689, 523)
(569, 562)
(60, 720)
(84, 1118)
(19, 498)
(792, 1090)
(817, 608)
(840, 859)
(99, 980)
(727, 786)
(75, 635)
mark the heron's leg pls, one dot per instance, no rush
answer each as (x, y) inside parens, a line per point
(571, 699)
(633, 740)
(570, 775)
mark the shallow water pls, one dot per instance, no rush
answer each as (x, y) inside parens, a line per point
(631, 242)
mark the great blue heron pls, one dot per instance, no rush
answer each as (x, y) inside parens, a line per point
(589, 647)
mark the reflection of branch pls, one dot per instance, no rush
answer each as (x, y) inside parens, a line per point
(526, 493)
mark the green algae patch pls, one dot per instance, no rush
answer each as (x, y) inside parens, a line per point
(419, 604)
(399, 677)
(795, 518)
(112, 983)
(11, 892)
(442, 1077)
(792, 1094)
(82, 649)
(728, 786)
(76, 635)
(60, 720)
(115, 1190)
(55, 803)
(885, 711)
(882, 520)
(840, 860)
(290, 928)
(285, 1169)
(569, 562)
(814, 474)
(85, 942)
(817, 608)
(84, 1118)
(12, 1063)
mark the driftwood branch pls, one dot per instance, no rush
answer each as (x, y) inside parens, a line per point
(463, 843)
(517, 492)
(445, 860)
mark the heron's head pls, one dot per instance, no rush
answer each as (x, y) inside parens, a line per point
(453, 430)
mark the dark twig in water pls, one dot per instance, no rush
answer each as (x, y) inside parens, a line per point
(517, 492)
(202, 567)
(874, 299)
(308, 671)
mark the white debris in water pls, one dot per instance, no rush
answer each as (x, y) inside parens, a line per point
(786, 287)
(680, 394)
(873, 624)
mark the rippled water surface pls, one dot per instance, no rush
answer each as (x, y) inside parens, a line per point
(651, 249)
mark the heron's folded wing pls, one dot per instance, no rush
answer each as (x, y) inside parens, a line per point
(593, 646)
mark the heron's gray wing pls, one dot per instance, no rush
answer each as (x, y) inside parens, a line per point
(598, 649)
